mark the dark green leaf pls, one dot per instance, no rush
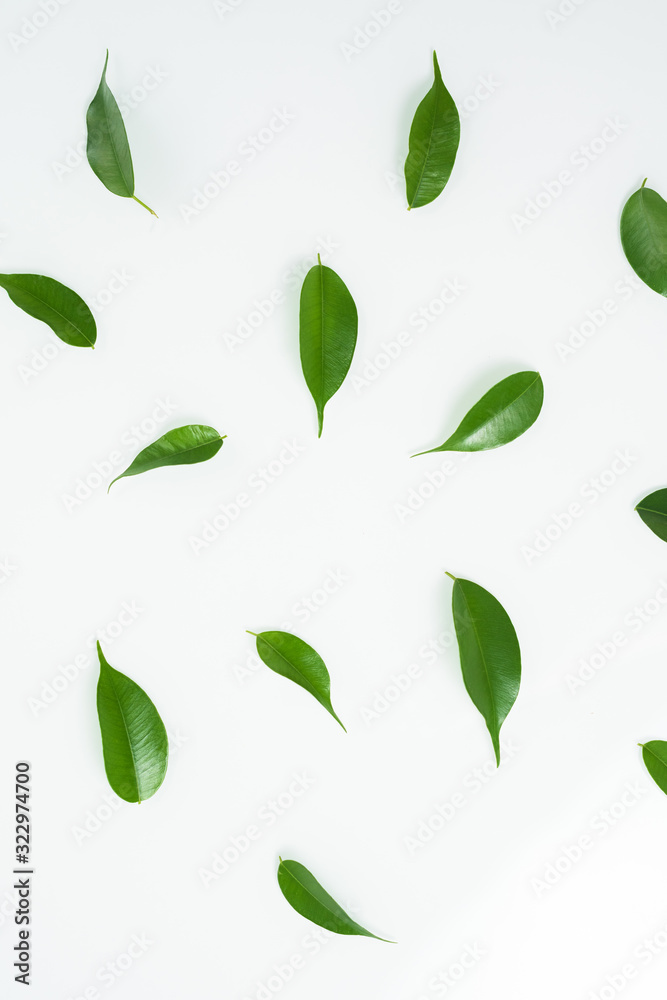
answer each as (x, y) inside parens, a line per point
(653, 512)
(108, 149)
(56, 305)
(305, 894)
(327, 334)
(434, 140)
(501, 415)
(655, 758)
(292, 657)
(644, 237)
(182, 446)
(134, 740)
(490, 654)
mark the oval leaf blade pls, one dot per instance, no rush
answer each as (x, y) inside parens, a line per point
(655, 759)
(54, 304)
(108, 149)
(134, 739)
(328, 326)
(433, 143)
(305, 895)
(644, 237)
(181, 446)
(502, 414)
(653, 512)
(490, 654)
(291, 657)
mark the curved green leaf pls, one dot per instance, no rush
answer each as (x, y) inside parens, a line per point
(434, 141)
(107, 148)
(305, 894)
(655, 758)
(490, 654)
(327, 334)
(134, 740)
(644, 237)
(653, 512)
(291, 657)
(501, 415)
(182, 446)
(56, 305)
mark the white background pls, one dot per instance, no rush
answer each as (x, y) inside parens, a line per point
(334, 174)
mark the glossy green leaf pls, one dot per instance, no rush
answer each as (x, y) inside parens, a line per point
(655, 758)
(56, 305)
(653, 512)
(291, 657)
(182, 446)
(500, 416)
(305, 894)
(134, 740)
(327, 334)
(490, 654)
(107, 149)
(644, 237)
(434, 141)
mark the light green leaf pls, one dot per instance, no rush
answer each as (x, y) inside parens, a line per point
(653, 512)
(181, 446)
(134, 740)
(108, 149)
(291, 657)
(54, 304)
(502, 414)
(644, 237)
(655, 758)
(305, 894)
(490, 654)
(327, 334)
(434, 141)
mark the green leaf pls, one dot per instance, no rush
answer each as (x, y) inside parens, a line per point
(653, 512)
(134, 739)
(305, 894)
(291, 657)
(644, 237)
(327, 334)
(108, 150)
(490, 654)
(501, 415)
(56, 305)
(655, 758)
(182, 446)
(434, 141)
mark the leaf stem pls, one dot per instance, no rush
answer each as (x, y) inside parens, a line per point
(644, 182)
(450, 575)
(251, 633)
(144, 205)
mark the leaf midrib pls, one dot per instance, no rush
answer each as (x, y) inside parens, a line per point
(282, 656)
(107, 90)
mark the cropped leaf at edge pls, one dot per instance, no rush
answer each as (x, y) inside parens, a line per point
(653, 512)
(644, 237)
(181, 446)
(433, 144)
(489, 652)
(503, 414)
(107, 148)
(655, 758)
(293, 658)
(134, 739)
(54, 304)
(328, 325)
(305, 895)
